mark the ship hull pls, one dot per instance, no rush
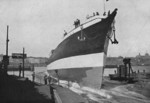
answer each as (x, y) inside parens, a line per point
(85, 70)
(80, 57)
(85, 77)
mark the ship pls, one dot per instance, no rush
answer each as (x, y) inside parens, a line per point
(80, 56)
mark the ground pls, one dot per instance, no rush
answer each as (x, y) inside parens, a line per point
(15, 89)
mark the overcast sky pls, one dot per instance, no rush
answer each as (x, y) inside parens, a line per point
(38, 25)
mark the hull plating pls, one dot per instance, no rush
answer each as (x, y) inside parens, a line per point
(84, 77)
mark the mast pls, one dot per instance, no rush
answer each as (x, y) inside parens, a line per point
(104, 8)
(104, 3)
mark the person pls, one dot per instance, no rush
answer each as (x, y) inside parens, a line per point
(65, 33)
(108, 12)
(138, 71)
(49, 79)
(0, 66)
(33, 76)
(33, 67)
(77, 23)
(143, 71)
(45, 79)
(115, 71)
(93, 14)
(87, 17)
(97, 13)
(56, 71)
(104, 14)
(20, 68)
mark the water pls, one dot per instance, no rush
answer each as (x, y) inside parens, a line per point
(39, 74)
(27, 74)
(41, 71)
(108, 71)
(141, 68)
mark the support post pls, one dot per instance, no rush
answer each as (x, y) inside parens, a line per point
(52, 93)
(23, 62)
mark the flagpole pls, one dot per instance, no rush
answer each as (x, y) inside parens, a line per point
(104, 8)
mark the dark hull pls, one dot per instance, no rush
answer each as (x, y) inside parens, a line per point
(94, 43)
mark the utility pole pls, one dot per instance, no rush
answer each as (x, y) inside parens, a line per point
(23, 61)
(7, 40)
(6, 58)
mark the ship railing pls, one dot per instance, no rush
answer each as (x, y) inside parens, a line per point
(71, 31)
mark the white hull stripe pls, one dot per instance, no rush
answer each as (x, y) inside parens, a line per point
(90, 60)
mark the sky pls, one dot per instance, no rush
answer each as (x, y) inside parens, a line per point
(38, 25)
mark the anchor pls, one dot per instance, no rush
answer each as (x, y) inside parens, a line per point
(82, 37)
(115, 41)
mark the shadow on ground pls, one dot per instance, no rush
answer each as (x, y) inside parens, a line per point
(14, 89)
